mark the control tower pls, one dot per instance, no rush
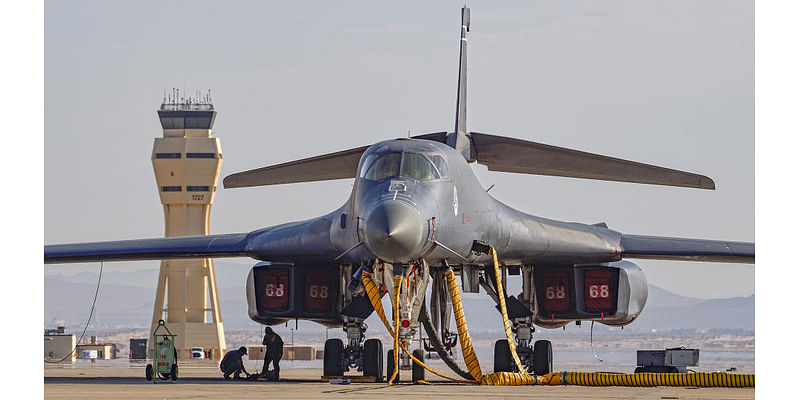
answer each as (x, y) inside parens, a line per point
(187, 161)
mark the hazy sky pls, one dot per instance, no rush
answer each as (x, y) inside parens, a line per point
(668, 83)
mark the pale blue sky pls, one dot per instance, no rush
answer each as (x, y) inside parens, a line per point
(668, 83)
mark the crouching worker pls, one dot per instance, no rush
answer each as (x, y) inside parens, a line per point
(232, 363)
(273, 354)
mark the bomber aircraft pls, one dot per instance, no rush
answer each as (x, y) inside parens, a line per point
(417, 211)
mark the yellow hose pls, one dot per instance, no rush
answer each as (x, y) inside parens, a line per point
(701, 379)
(470, 359)
(496, 378)
(374, 296)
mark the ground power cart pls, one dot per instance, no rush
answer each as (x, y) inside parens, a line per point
(165, 357)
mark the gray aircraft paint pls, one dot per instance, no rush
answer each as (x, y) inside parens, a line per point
(413, 218)
(442, 237)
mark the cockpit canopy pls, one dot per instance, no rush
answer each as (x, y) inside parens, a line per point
(418, 166)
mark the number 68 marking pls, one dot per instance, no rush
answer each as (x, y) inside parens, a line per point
(555, 292)
(273, 290)
(596, 291)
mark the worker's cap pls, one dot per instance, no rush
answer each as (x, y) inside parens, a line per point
(243, 350)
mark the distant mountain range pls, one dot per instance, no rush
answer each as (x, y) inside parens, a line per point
(125, 301)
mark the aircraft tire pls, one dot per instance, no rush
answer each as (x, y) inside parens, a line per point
(503, 362)
(542, 357)
(332, 363)
(390, 367)
(417, 372)
(373, 359)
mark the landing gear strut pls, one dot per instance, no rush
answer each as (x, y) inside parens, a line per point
(535, 357)
(364, 356)
(408, 301)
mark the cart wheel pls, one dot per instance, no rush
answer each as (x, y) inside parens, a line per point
(148, 372)
(173, 372)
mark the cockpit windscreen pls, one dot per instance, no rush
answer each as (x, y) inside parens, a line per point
(416, 166)
(383, 167)
(411, 165)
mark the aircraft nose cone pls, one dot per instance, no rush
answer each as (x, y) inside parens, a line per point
(394, 231)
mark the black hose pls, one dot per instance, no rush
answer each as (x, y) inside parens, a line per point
(436, 341)
(91, 313)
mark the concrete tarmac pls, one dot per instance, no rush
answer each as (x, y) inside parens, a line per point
(203, 380)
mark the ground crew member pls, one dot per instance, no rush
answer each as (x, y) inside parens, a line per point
(274, 352)
(232, 363)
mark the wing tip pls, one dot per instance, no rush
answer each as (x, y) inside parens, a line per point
(230, 182)
(707, 183)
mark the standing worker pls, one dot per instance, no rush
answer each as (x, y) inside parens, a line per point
(274, 352)
(232, 363)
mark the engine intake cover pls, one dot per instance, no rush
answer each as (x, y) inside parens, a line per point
(613, 294)
(279, 292)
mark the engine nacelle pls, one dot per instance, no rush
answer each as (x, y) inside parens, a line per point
(279, 292)
(612, 294)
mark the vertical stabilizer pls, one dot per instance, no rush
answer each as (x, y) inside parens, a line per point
(459, 139)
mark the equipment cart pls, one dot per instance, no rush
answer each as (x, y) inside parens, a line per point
(165, 357)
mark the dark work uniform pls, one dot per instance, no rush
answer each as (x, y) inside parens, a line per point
(273, 354)
(231, 364)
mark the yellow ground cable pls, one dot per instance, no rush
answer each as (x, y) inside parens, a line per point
(502, 297)
(374, 296)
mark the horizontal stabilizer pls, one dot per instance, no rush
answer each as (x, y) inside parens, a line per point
(338, 165)
(514, 155)
(667, 248)
(210, 246)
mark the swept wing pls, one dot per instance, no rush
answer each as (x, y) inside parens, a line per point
(669, 248)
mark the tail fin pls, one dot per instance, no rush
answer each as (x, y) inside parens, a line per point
(459, 139)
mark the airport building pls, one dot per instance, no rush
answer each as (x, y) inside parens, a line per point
(58, 344)
(187, 161)
(98, 351)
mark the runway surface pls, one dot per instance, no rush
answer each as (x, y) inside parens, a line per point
(203, 380)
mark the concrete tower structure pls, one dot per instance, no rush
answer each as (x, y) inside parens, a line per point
(187, 161)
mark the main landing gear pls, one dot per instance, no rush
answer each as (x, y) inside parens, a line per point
(365, 356)
(537, 359)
